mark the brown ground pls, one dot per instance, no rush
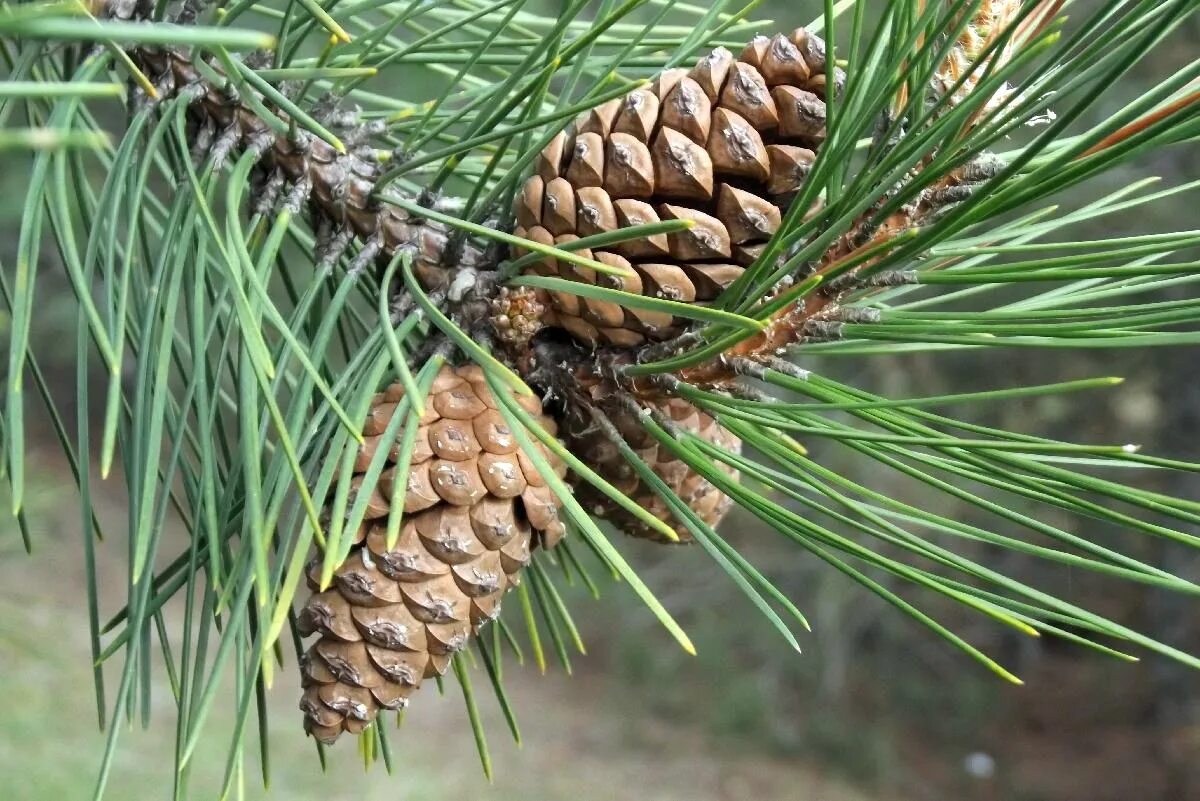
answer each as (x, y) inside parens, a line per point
(1079, 730)
(582, 740)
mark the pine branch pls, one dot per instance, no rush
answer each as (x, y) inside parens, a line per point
(229, 238)
(304, 161)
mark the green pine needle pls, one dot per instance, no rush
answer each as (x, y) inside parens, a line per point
(240, 331)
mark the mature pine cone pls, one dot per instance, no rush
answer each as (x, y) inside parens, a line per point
(473, 507)
(594, 445)
(725, 145)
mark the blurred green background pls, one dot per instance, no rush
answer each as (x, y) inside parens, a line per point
(875, 708)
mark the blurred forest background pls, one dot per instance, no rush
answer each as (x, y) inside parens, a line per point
(875, 708)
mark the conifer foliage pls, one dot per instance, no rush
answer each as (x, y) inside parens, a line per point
(423, 305)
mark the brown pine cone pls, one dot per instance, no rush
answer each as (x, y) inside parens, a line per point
(474, 506)
(725, 145)
(592, 444)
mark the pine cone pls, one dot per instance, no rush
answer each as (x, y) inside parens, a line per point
(594, 446)
(725, 145)
(473, 505)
